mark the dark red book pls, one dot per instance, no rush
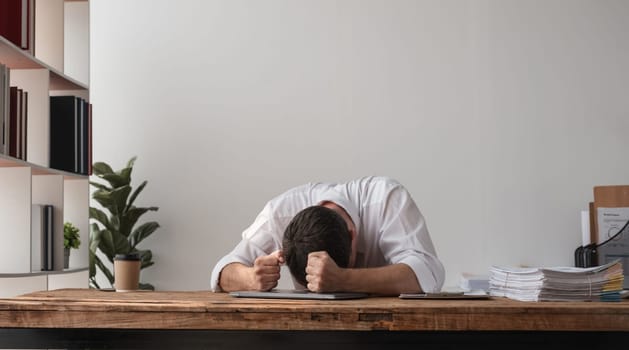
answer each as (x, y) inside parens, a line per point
(15, 22)
(14, 104)
(24, 126)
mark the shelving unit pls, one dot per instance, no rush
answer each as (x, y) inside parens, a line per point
(32, 181)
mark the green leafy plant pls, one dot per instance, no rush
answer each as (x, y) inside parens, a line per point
(71, 236)
(114, 230)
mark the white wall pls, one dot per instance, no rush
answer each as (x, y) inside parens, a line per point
(499, 116)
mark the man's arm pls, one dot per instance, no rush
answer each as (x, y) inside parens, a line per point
(323, 275)
(263, 275)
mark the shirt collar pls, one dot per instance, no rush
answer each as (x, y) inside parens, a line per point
(342, 201)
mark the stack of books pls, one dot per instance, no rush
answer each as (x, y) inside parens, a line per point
(600, 283)
(13, 116)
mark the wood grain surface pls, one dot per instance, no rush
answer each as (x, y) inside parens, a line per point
(90, 308)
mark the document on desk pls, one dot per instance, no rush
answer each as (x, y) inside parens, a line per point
(474, 294)
(610, 222)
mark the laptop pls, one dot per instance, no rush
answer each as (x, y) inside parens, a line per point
(475, 294)
(298, 294)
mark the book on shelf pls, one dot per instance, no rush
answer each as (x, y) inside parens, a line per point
(37, 233)
(22, 136)
(17, 23)
(599, 283)
(4, 106)
(42, 237)
(38, 230)
(82, 136)
(48, 256)
(70, 134)
(16, 123)
(90, 161)
(14, 104)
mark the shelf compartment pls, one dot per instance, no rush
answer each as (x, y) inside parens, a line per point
(10, 162)
(16, 58)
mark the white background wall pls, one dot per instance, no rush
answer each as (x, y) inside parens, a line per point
(499, 116)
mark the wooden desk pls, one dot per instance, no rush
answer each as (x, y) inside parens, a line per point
(97, 319)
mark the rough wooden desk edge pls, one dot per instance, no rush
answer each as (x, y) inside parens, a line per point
(66, 309)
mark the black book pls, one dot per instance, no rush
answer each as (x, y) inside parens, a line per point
(47, 254)
(63, 133)
(4, 107)
(85, 134)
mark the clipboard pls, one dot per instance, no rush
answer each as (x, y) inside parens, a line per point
(475, 294)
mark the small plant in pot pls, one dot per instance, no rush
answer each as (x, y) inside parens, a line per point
(71, 240)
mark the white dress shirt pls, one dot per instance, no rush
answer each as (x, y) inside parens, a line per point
(390, 228)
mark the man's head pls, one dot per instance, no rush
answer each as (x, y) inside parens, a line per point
(318, 228)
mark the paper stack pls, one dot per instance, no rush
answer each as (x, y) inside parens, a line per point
(600, 283)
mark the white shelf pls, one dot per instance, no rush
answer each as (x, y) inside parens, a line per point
(43, 273)
(16, 284)
(24, 183)
(10, 162)
(15, 58)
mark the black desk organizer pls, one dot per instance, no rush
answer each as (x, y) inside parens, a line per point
(617, 247)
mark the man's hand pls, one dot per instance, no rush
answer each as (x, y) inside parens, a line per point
(322, 273)
(266, 271)
(262, 276)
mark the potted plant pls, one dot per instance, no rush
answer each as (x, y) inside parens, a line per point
(71, 240)
(114, 228)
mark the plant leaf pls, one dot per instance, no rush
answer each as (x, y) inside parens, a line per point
(100, 186)
(93, 283)
(101, 217)
(92, 264)
(113, 243)
(103, 198)
(116, 180)
(104, 270)
(131, 162)
(143, 231)
(125, 175)
(132, 215)
(101, 168)
(94, 237)
(119, 197)
(146, 257)
(136, 193)
(114, 201)
(146, 286)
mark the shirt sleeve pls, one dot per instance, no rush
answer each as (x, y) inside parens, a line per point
(261, 238)
(405, 239)
(244, 253)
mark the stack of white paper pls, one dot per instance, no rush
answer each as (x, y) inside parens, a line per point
(600, 283)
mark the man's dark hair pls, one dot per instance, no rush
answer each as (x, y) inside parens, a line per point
(315, 229)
